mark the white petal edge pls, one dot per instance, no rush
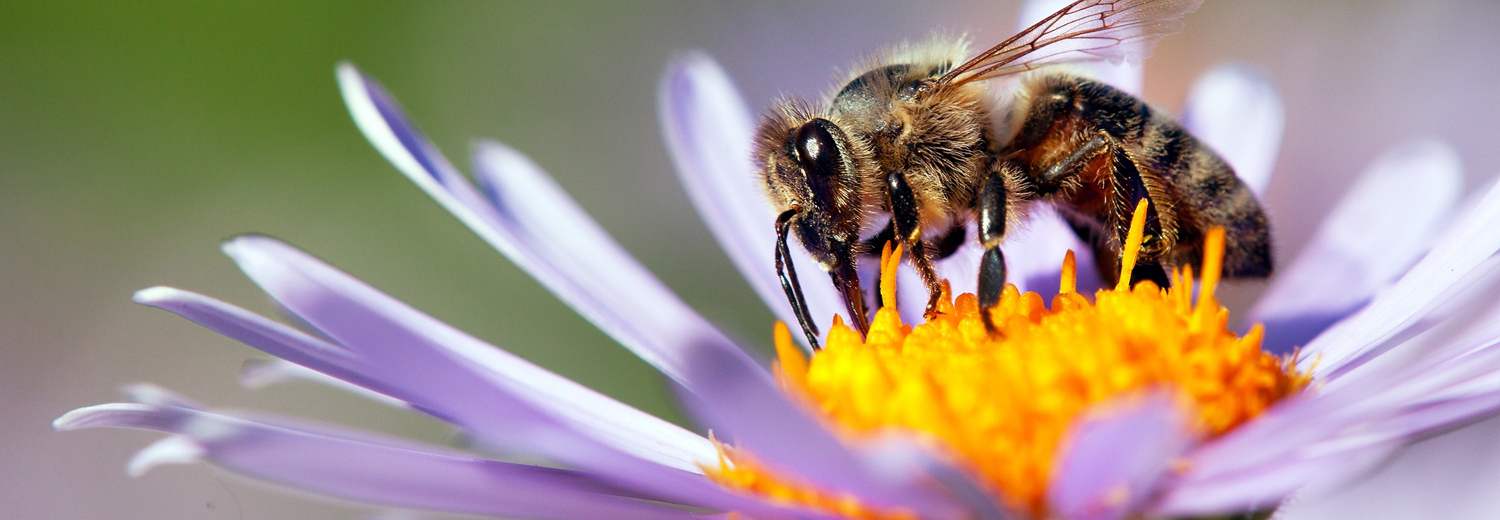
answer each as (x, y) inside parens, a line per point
(173, 449)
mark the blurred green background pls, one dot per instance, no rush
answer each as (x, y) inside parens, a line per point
(135, 136)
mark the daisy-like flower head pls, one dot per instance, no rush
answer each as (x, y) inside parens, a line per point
(1115, 403)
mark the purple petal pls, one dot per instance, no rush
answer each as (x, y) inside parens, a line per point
(1450, 477)
(1268, 486)
(491, 393)
(1316, 440)
(1237, 112)
(495, 394)
(539, 229)
(364, 467)
(1363, 245)
(658, 326)
(575, 406)
(708, 130)
(1438, 393)
(263, 334)
(387, 127)
(256, 374)
(898, 454)
(607, 284)
(1112, 460)
(782, 435)
(1453, 257)
(1127, 76)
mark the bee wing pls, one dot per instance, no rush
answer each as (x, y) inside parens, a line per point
(1085, 30)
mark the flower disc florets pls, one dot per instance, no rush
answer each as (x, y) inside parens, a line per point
(1003, 403)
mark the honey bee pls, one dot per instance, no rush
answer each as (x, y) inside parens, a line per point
(910, 151)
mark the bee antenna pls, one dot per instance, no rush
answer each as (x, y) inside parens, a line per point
(788, 274)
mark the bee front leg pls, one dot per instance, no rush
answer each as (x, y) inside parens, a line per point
(991, 228)
(907, 221)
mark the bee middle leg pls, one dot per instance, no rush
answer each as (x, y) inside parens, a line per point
(941, 248)
(991, 203)
(907, 223)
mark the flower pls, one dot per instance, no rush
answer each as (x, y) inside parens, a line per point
(1391, 359)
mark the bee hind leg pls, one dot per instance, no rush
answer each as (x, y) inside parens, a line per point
(906, 220)
(991, 228)
(1129, 188)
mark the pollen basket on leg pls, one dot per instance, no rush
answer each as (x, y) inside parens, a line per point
(1004, 402)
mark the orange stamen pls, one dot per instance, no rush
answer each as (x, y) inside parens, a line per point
(1002, 403)
(1133, 242)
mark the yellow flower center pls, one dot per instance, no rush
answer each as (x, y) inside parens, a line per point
(1002, 403)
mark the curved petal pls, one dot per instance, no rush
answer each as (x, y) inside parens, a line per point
(1112, 459)
(172, 449)
(1317, 439)
(1236, 111)
(708, 131)
(614, 290)
(263, 334)
(781, 434)
(1454, 256)
(582, 409)
(480, 388)
(1268, 486)
(260, 373)
(541, 230)
(1373, 235)
(495, 394)
(363, 467)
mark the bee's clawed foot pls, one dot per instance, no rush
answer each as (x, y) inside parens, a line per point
(989, 323)
(931, 313)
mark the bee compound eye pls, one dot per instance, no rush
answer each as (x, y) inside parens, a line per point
(817, 151)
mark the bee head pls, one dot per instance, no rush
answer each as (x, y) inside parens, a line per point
(808, 170)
